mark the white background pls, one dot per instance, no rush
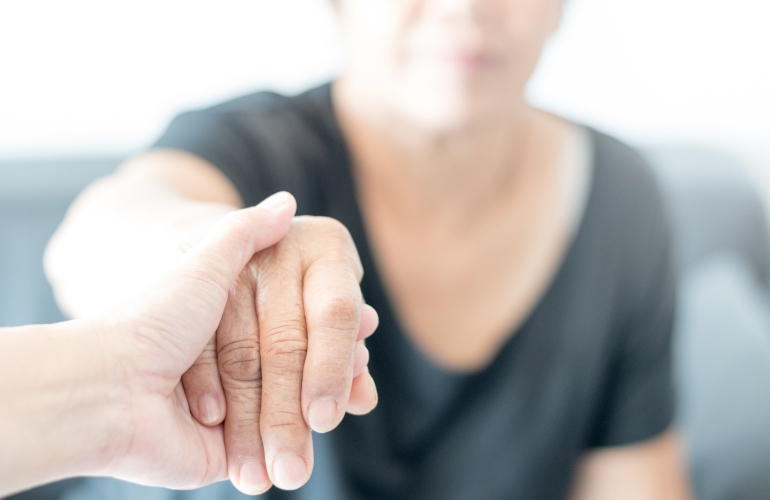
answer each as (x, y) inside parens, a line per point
(87, 77)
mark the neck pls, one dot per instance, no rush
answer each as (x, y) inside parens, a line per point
(428, 171)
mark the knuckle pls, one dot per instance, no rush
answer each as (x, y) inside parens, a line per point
(282, 352)
(336, 232)
(339, 312)
(240, 361)
(343, 248)
(291, 326)
(329, 241)
(333, 226)
(243, 393)
(318, 225)
(316, 238)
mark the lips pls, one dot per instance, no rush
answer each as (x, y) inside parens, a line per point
(470, 59)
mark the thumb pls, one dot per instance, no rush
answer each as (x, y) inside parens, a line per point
(218, 259)
(186, 307)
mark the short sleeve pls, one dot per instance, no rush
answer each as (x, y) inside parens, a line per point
(263, 143)
(639, 400)
(219, 139)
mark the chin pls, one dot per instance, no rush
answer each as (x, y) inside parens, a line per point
(448, 101)
(442, 110)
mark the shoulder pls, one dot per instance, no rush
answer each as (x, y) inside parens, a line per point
(624, 178)
(263, 142)
(272, 114)
(271, 104)
(255, 103)
(627, 197)
(628, 218)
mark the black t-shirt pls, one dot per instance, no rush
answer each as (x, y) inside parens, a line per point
(589, 367)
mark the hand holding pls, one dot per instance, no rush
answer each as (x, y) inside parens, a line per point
(288, 355)
(152, 342)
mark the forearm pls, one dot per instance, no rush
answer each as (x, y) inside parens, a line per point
(651, 470)
(119, 237)
(61, 406)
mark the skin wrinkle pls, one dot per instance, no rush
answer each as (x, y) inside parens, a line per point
(290, 352)
(246, 418)
(241, 363)
(286, 418)
(209, 353)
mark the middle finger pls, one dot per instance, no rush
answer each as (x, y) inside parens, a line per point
(283, 346)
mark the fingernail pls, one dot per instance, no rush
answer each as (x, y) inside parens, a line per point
(275, 202)
(208, 409)
(289, 471)
(323, 414)
(252, 478)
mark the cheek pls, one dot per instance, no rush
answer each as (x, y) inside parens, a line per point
(530, 22)
(373, 34)
(392, 46)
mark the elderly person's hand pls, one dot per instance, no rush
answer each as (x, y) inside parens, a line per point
(288, 356)
(140, 219)
(103, 396)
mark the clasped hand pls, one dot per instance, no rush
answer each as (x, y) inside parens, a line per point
(254, 339)
(282, 360)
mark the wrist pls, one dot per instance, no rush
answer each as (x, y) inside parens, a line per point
(105, 400)
(62, 407)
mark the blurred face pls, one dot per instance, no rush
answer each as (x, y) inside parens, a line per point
(444, 64)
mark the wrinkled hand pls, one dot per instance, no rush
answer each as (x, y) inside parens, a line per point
(288, 356)
(152, 341)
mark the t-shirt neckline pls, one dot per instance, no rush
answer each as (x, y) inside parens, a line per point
(372, 281)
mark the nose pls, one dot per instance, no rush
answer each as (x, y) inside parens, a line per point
(476, 10)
